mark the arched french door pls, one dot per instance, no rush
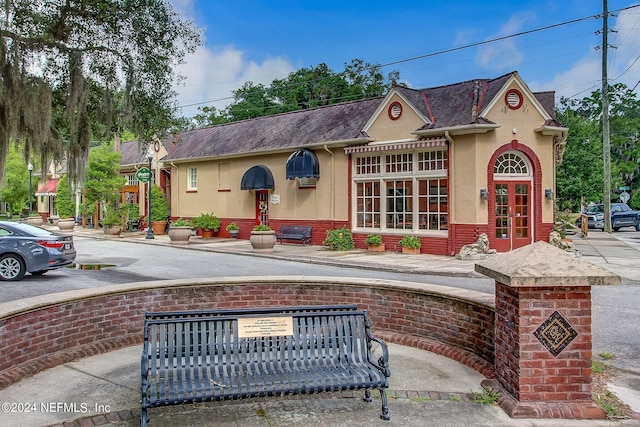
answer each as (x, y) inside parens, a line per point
(512, 200)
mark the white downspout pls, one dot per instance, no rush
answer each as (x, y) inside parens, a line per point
(451, 178)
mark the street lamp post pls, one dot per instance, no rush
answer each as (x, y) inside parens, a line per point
(30, 167)
(150, 158)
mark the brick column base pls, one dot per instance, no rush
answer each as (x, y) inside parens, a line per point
(542, 409)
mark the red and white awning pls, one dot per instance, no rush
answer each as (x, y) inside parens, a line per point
(398, 146)
(49, 189)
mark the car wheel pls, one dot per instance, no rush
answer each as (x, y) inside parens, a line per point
(638, 226)
(12, 267)
(616, 228)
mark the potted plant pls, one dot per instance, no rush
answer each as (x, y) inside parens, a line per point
(159, 210)
(233, 230)
(180, 231)
(374, 243)
(34, 219)
(263, 238)
(410, 245)
(208, 223)
(66, 205)
(112, 221)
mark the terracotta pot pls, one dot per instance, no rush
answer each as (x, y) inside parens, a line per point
(206, 233)
(263, 241)
(66, 224)
(376, 248)
(411, 251)
(158, 227)
(180, 235)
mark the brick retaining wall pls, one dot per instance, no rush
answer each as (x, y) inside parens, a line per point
(43, 332)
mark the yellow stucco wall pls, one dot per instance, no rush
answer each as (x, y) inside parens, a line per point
(385, 129)
(219, 189)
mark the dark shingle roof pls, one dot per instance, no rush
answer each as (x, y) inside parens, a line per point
(296, 129)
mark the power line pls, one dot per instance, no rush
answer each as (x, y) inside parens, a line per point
(455, 49)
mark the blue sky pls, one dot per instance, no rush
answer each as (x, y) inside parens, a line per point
(263, 40)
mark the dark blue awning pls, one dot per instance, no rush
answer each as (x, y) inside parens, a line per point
(257, 178)
(303, 164)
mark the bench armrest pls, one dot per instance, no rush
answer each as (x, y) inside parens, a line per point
(383, 361)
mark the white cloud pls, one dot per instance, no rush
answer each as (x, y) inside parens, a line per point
(505, 53)
(211, 74)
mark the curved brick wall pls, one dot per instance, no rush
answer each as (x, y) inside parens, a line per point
(42, 332)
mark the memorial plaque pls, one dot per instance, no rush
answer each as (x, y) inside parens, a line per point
(555, 333)
(265, 327)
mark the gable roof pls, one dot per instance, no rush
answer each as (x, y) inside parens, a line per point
(297, 129)
(455, 105)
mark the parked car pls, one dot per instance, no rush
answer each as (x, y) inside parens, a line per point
(621, 216)
(27, 248)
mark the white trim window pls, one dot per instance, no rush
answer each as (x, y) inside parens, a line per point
(192, 179)
(132, 180)
(401, 191)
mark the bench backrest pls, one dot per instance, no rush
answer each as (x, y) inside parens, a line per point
(304, 230)
(232, 339)
(258, 310)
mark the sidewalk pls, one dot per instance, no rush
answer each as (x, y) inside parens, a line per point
(425, 389)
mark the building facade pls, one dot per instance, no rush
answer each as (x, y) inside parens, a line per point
(444, 164)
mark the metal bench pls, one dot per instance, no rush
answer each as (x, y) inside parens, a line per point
(237, 354)
(295, 232)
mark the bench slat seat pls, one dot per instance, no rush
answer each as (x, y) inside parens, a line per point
(295, 232)
(205, 358)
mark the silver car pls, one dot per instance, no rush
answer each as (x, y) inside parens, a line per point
(26, 248)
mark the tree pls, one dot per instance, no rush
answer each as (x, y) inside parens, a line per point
(15, 187)
(581, 172)
(306, 88)
(103, 180)
(68, 64)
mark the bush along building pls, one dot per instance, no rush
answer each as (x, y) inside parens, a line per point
(444, 164)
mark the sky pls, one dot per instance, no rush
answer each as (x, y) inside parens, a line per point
(259, 41)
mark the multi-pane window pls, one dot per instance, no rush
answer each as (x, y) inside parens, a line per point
(511, 164)
(368, 204)
(411, 194)
(192, 178)
(132, 180)
(367, 165)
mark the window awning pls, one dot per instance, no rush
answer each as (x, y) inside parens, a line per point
(409, 145)
(49, 189)
(258, 177)
(303, 164)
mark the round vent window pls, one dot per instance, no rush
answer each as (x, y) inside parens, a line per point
(513, 98)
(395, 110)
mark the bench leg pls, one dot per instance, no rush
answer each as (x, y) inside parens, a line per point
(367, 395)
(144, 418)
(385, 407)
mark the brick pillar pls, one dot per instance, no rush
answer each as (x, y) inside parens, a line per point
(543, 332)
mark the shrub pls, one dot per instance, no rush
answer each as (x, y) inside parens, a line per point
(635, 199)
(181, 222)
(64, 200)
(262, 227)
(410, 242)
(207, 221)
(339, 240)
(159, 206)
(373, 240)
(232, 226)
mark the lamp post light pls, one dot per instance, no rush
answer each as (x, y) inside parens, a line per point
(150, 158)
(30, 167)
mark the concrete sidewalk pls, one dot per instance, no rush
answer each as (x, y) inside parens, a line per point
(425, 389)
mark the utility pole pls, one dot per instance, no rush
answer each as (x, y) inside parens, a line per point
(606, 142)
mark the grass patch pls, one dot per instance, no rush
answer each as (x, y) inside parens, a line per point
(598, 367)
(611, 404)
(421, 399)
(485, 397)
(455, 399)
(605, 355)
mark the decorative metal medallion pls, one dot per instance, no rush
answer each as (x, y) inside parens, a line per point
(555, 333)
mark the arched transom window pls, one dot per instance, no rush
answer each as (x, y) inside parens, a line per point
(511, 163)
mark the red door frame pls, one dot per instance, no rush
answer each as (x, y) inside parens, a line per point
(513, 226)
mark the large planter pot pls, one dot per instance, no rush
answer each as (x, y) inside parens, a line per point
(112, 230)
(180, 235)
(263, 241)
(158, 227)
(35, 220)
(66, 224)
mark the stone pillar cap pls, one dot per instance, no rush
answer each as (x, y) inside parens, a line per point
(542, 264)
